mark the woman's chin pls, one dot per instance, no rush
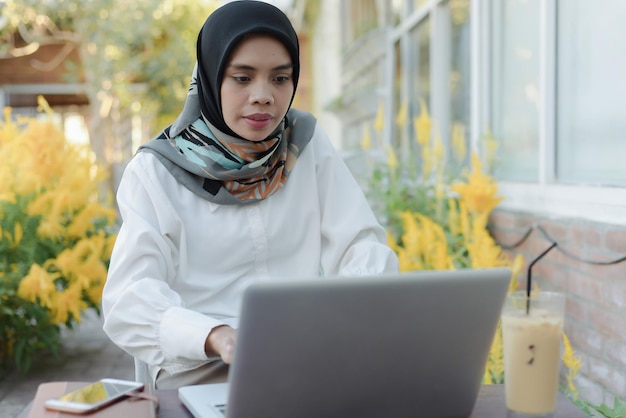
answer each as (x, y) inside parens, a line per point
(255, 134)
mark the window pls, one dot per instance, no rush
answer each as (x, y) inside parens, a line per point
(460, 77)
(420, 68)
(434, 55)
(544, 77)
(515, 88)
(590, 93)
(362, 17)
(555, 101)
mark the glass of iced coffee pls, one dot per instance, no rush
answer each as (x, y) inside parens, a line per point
(532, 330)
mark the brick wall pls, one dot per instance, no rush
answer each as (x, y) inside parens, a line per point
(596, 294)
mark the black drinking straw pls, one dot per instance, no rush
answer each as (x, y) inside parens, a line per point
(529, 277)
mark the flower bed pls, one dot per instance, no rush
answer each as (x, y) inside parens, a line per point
(55, 236)
(436, 212)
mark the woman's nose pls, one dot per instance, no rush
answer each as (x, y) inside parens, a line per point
(261, 93)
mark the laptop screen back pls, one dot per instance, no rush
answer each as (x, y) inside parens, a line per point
(403, 345)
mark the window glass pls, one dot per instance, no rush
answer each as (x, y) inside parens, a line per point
(400, 135)
(591, 92)
(416, 4)
(363, 18)
(420, 56)
(515, 88)
(460, 71)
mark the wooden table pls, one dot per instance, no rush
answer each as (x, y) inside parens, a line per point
(490, 404)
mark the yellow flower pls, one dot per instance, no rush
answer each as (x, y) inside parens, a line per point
(50, 207)
(40, 205)
(403, 114)
(424, 244)
(67, 304)
(6, 196)
(8, 130)
(391, 241)
(366, 141)
(82, 222)
(459, 148)
(440, 191)
(408, 263)
(15, 238)
(438, 149)
(491, 145)
(479, 193)
(50, 228)
(43, 106)
(438, 155)
(427, 165)
(392, 160)
(434, 245)
(108, 246)
(483, 250)
(464, 219)
(411, 236)
(82, 265)
(517, 266)
(380, 118)
(453, 217)
(18, 233)
(55, 214)
(38, 286)
(572, 362)
(442, 226)
(94, 291)
(422, 124)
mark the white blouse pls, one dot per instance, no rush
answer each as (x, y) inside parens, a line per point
(180, 263)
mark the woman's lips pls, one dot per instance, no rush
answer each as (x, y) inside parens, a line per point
(258, 120)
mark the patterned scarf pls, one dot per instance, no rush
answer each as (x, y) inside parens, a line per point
(229, 170)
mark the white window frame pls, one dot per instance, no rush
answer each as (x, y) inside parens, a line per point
(439, 64)
(599, 204)
(544, 197)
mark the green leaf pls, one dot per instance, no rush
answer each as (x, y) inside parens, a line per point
(20, 347)
(617, 411)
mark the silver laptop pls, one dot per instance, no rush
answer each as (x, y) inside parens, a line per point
(403, 345)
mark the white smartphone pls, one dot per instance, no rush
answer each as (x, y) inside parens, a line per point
(93, 396)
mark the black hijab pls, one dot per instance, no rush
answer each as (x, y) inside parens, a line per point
(187, 148)
(221, 33)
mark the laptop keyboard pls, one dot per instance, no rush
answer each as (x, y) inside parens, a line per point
(221, 408)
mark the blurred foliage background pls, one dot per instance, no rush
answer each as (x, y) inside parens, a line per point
(135, 56)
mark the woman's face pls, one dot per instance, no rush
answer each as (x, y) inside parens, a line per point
(257, 87)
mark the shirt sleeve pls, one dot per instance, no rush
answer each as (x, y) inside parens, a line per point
(142, 314)
(353, 241)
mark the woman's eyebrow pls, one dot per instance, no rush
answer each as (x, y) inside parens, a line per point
(251, 68)
(288, 66)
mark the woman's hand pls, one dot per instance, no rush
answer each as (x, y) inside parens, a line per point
(221, 341)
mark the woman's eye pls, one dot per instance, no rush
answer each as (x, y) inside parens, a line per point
(241, 78)
(281, 79)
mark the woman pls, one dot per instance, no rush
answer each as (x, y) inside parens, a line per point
(239, 189)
